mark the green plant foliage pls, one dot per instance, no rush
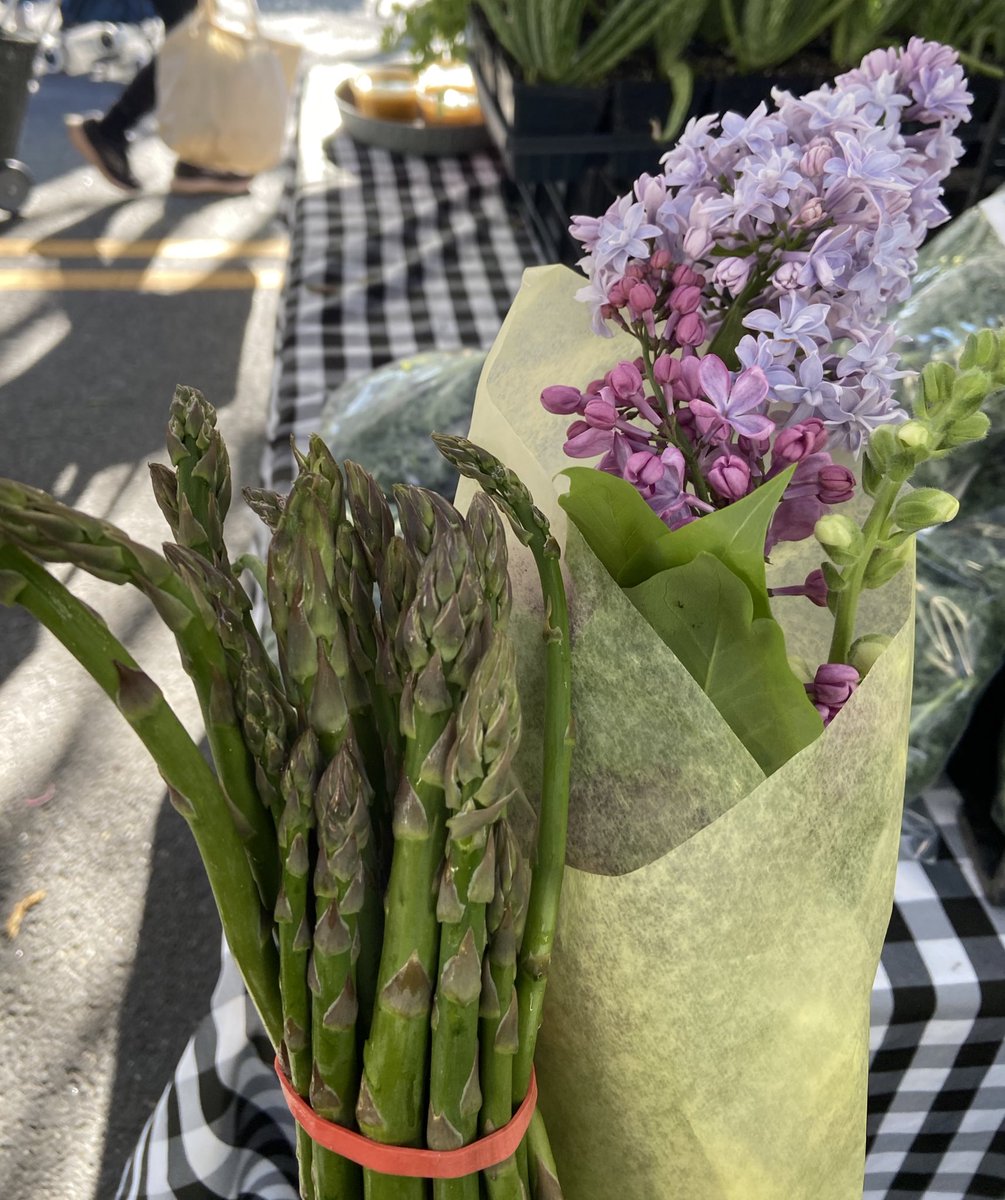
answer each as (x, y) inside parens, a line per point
(763, 33)
(430, 31)
(704, 613)
(634, 544)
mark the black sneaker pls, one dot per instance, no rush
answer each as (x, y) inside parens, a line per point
(190, 180)
(103, 151)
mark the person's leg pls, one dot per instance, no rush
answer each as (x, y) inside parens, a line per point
(103, 141)
(139, 96)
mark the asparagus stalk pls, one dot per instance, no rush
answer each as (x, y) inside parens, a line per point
(193, 788)
(499, 1020)
(340, 889)
(294, 922)
(434, 628)
(53, 532)
(475, 784)
(543, 1172)
(532, 529)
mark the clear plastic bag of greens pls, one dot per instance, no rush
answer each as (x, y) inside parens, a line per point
(960, 647)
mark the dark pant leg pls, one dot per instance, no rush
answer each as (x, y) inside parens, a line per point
(140, 95)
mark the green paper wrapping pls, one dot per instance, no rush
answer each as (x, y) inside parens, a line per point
(707, 1020)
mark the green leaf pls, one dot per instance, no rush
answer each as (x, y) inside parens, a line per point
(634, 544)
(704, 614)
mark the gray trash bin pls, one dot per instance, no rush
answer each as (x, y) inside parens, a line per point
(17, 62)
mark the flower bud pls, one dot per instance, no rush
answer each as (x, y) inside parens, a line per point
(811, 213)
(815, 157)
(786, 278)
(641, 299)
(969, 429)
(686, 298)
(684, 275)
(923, 508)
(600, 413)
(617, 295)
(625, 380)
(913, 435)
(690, 330)
(981, 350)
(866, 650)
(835, 484)
(970, 390)
(731, 274)
(834, 684)
(644, 467)
(840, 537)
(883, 449)
(730, 476)
(661, 260)
(666, 368)
(561, 399)
(885, 562)
(799, 441)
(697, 242)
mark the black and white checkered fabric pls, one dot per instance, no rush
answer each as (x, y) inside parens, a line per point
(398, 255)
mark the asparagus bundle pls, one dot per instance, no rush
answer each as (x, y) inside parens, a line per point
(359, 822)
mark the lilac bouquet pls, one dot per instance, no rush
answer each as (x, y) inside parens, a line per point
(741, 593)
(755, 274)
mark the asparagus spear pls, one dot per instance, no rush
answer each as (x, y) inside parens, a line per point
(543, 1172)
(340, 889)
(433, 629)
(476, 779)
(193, 788)
(294, 922)
(499, 1020)
(53, 532)
(532, 529)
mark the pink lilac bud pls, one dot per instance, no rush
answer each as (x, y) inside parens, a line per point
(816, 156)
(816, 589)
(834, 684)
(626, 380)
(811, 213)
(835, 484)
(731, 274)
(685, 276)
(794, 520)
(690, 330)
(697, 241)
(686, 298)
(786, 278)
(600, 412)
(635, 270)
(617, 294)
(641, 299)
(813, 587)
(755, 447)
(799, 441)
(661, 260)
(645, 468)
(666, 369)
(561, 399)
(730, 476)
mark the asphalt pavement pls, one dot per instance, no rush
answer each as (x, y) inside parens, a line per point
(106, 303)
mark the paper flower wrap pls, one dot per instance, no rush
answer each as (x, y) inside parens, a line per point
(707, 1019)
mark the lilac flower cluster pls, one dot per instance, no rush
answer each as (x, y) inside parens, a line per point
(800, 226)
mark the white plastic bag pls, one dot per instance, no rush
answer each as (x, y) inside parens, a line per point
(223, 90)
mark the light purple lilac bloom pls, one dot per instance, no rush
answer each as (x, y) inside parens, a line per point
(809, 213)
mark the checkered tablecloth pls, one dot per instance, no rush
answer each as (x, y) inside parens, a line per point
(395, 255)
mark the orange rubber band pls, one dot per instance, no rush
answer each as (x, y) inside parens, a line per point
(477, 1156)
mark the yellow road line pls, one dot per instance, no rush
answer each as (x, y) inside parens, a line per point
(107, 248)
(158, 280)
